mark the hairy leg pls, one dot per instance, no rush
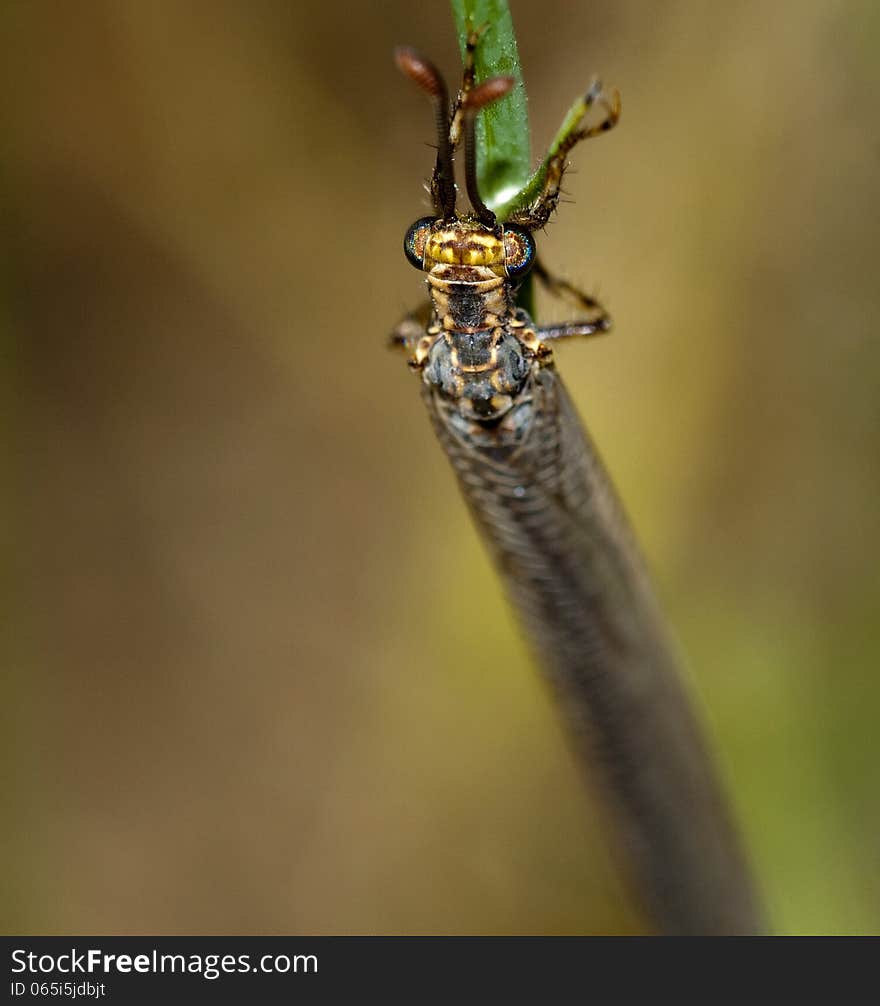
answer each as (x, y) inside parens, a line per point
(414, 334)
(541, 203)
(468, 79)
(597, 320)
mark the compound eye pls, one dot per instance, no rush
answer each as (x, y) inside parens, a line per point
(415, 241)
(519, 251)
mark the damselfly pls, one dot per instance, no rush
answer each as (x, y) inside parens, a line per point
(551, 519)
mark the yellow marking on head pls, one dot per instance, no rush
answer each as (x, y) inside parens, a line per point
(461, 246)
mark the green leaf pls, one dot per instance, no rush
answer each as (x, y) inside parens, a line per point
(504, 158)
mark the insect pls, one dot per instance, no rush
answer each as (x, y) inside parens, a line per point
(549, 515)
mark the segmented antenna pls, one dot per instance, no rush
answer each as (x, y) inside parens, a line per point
(482, 95)
(428, 78)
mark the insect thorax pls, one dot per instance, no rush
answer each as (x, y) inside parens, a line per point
(475, 359)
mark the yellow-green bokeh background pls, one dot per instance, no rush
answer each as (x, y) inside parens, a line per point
(261, 678)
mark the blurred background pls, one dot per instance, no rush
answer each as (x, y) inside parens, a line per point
(248, 688)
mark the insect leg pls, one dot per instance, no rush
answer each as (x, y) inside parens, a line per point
(566, 291)
(413, 334)
(468, 79)
(567, 329)
(542, 203)
(597, 321)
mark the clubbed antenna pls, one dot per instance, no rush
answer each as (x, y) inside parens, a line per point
(487, 92)
(428, 78)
